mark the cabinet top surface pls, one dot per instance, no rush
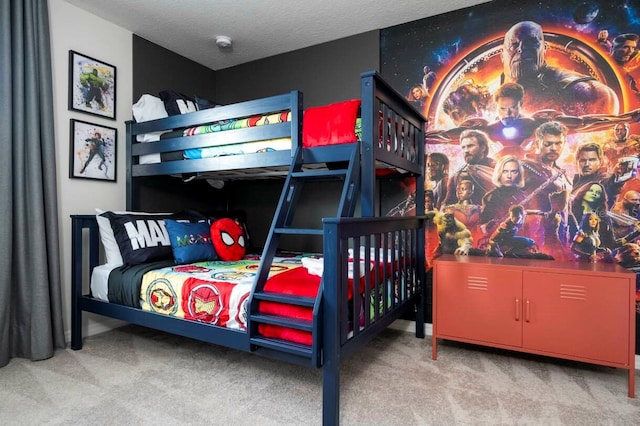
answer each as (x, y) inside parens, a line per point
(542, 265)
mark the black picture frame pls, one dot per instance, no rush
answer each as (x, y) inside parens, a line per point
(93, 151)
(92, 86)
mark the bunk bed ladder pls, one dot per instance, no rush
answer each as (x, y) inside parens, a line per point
(282, 225)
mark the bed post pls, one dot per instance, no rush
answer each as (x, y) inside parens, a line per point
(369, 134)
(422, 241)
(129, 166)
(78, 224)
(331, 326)
(421, 266)
(76, 282)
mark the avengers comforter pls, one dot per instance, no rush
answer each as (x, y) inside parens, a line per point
(217, 292)
(214, 292)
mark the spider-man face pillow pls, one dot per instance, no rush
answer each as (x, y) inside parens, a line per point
(228, 239)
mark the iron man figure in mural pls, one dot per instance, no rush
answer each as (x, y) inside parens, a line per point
(514, 131)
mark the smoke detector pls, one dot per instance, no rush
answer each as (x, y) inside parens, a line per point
(223, 42)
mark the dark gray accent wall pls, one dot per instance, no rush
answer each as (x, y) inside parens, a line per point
(171, 194)
(325, 73)
(156, 68)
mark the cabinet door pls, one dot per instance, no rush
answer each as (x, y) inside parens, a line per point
(585, 316)
(478, 303)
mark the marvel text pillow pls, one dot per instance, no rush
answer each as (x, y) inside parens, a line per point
(176, 103)
(142, 238)
(111, 249)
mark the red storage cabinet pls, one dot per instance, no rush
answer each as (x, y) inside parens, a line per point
(579, 311)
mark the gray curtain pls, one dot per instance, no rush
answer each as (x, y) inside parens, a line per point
(30, 293)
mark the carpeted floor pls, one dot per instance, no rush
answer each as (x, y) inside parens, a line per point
(135, 376)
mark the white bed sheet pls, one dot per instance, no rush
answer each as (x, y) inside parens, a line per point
(100, 281)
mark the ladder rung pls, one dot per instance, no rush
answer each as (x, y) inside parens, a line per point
(282, 346)
(298, 231)
(289, 299)
(283, 321)
(320, 173)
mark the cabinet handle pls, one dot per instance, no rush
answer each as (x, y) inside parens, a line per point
(517, 309)
(527, 310)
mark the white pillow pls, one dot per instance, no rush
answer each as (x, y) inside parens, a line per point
(147, 108)
(111, 248)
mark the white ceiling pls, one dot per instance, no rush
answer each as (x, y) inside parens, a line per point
(258, 28)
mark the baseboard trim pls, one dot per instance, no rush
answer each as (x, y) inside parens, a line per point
(410, 326)
(107, 324)
(93, 327)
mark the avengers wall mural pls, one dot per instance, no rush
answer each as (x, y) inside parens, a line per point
(533, 134)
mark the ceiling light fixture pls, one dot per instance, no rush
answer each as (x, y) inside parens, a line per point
(223, 42)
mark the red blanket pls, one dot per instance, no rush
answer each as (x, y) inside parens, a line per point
(295, 282)
(300, 283)
(330, 124)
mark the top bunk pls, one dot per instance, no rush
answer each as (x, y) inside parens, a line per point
(258, 138)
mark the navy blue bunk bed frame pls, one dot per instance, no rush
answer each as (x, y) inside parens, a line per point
(392, 136)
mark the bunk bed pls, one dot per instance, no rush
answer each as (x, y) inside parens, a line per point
(372, 267)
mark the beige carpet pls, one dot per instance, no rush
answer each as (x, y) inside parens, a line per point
(134, 376)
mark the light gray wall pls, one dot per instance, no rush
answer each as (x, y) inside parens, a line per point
(70, 28)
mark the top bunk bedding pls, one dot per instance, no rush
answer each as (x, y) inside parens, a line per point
(194, 133)
(257, 138)
(220, 147)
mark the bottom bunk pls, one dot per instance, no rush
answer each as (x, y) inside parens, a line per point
(371, 272)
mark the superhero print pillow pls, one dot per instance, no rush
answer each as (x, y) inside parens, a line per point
(190, 242)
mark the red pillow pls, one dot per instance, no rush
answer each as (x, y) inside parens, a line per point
(228, 239)
(330, 124)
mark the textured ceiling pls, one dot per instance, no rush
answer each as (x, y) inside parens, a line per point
(258, 28)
